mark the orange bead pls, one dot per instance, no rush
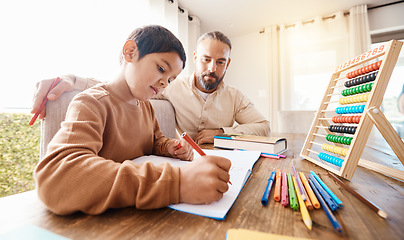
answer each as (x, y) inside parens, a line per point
(374, 66)
(379, 63)
(367, 69)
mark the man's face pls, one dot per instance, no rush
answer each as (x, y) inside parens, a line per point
(211, 58)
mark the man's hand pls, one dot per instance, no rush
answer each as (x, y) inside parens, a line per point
(206, 135)
(65, 85)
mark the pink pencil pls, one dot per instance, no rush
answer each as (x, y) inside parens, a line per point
(284, 195)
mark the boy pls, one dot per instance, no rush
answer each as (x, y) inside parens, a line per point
(86, 167)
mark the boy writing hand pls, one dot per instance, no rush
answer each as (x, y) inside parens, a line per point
(87, 166)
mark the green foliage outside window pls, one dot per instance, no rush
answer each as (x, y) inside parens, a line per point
(19, 153)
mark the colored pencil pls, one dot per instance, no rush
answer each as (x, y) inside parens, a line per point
(268, 188)
(194, 145)
(326, 209)
(293, 203)
(277, 193)
(327, 198)
(284, 195)
(305, 213)
(302, 192)
(375, 208)
(33, 119)
(269, 156)
(334, 197)
(309, 191)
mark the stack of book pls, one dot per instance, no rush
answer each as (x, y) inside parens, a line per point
(274, 145)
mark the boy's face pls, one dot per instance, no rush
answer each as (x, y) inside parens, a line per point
(149, 75)
(212, 57)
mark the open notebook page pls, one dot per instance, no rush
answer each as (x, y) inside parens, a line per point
(242, 163)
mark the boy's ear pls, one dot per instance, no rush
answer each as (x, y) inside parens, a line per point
(130, 51)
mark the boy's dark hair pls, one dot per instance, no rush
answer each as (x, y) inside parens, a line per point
(156, 39)
(215, 35)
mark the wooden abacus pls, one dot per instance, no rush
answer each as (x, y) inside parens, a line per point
(362, 91)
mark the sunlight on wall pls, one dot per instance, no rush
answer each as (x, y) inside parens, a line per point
(44, 39)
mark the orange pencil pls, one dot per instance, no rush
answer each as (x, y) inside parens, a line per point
(55, 82)
(194, 145)
(277, 195)
(312, 196)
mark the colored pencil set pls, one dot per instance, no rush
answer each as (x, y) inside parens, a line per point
(298, 192)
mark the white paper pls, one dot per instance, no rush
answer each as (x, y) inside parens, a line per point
(242, 164)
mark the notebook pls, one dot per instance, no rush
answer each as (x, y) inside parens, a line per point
(242, 164)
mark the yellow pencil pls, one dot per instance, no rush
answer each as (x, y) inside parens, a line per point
(303, 209)
(309, 191)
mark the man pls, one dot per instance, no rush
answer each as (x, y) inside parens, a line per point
(205, 106)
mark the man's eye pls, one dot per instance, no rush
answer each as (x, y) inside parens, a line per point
(161, 69)
(206, 59)
(221, 62)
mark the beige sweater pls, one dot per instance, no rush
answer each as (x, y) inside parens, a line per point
(87, 165)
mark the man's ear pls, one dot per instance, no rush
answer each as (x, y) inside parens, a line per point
(130, 51)
(228, 63)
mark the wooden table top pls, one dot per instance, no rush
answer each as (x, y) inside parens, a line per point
(358, 220)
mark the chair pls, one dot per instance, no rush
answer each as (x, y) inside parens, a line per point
(56, 112)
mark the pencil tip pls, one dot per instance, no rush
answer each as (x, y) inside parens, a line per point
(308, 223)
(382, 214)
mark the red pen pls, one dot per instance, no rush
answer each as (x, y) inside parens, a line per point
(194, 145)
(55, 82)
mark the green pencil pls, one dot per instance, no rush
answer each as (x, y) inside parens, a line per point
(292, 194)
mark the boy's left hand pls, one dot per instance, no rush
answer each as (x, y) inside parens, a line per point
(181, 149)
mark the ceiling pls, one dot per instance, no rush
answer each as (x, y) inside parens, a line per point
(238, 17)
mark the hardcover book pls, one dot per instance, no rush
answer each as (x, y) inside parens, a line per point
(274, 145)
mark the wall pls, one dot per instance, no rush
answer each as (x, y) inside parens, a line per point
(248, 70)
(388, 19)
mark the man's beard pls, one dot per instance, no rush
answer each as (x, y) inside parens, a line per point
(208, 85)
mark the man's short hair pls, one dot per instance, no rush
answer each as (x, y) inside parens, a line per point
(215, 35)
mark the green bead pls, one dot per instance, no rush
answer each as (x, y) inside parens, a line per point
(361, 90)
(349, 141)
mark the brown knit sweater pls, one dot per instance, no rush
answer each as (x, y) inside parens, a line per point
(87, 165)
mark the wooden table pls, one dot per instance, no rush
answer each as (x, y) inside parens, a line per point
(358, 220)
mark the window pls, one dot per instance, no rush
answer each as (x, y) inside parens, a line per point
(44, 38)
(390, 101)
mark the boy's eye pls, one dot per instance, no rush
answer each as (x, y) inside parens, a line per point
(161, 69)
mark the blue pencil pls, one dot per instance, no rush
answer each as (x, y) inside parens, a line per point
(336, 199)
(327, 198)
(265, 197)
(327, 210)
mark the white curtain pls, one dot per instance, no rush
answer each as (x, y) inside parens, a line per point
(304, 55)
(169, 14)
(359, 30)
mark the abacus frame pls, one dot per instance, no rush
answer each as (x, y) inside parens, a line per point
(372, 115)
